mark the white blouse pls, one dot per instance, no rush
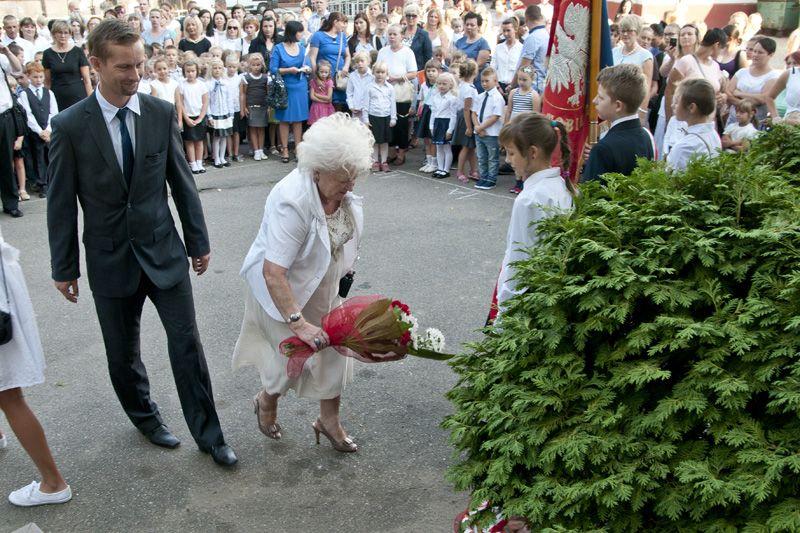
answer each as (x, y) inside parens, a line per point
(294, 235)
(544, 194)
(444, 106)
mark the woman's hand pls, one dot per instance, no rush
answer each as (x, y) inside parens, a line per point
(309, 334)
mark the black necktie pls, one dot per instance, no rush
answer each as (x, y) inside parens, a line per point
(127, 146)
(483, 107)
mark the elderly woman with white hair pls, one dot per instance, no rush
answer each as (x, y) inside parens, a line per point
(307, 243)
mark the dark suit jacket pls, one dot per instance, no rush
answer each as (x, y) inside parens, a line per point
(618, 150)
(125, 230)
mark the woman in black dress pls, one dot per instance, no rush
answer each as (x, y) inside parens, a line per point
(66, 69)
(193, 39)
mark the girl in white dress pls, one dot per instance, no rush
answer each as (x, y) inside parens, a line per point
(22, 365)
(164, 87)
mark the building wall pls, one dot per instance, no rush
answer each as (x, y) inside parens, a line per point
(714, 14)
(33, 8)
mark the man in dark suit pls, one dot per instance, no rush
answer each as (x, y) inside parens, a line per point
(621, 92)
(115, 152)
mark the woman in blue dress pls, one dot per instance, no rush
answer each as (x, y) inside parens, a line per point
(290, 60)
(330, 44)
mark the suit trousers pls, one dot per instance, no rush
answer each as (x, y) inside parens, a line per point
(37, 149)
(120, 320)
(9, 194)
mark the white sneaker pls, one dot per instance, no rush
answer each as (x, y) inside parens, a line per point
(425, 167)
(257, 156)
(428, 168)
(31, 496)
(3, 442)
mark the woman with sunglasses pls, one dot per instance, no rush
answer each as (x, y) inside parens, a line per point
(415, 37)
(232, 40)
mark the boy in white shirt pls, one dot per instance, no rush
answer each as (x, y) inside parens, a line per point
(695, 103)
(487, 115)
(40, 106)
(358, 87)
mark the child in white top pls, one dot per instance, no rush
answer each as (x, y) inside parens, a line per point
(145, 81)
(163, 86)
(220, 112)
(171, 55)
(737, 136)
(487, 115)
(465, 135)
(444, 103)
(382, 112)
(358, 83)
(695, 103)
(529, 140)
(192, 107)
(234, 80)
(426, 92)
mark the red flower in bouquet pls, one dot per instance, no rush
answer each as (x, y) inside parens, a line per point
(372, 329)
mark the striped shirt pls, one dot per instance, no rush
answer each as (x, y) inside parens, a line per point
(522, 103)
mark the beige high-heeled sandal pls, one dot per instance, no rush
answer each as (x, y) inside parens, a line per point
(272, 431)
(345, 446)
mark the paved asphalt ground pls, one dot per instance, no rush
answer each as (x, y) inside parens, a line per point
(435, 244)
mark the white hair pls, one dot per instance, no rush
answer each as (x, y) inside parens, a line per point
(334, 143)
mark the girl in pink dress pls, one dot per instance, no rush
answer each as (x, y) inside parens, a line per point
(321, 93)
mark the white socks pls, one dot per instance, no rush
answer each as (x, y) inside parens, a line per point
(444, 157)
(381, 152)
(196, 165)
(218, 147)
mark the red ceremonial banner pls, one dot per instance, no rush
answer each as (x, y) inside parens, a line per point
(566, 87)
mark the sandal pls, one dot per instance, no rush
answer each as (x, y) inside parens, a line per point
(272, 431)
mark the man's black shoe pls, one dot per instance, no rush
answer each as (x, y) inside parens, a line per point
(16, 213)
(222, 454)
(161, 436)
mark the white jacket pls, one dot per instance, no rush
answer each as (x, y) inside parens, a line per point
(294, 235)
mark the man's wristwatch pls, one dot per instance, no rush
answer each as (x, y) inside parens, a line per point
(295, 317)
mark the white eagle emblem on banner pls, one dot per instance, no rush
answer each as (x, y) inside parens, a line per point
(568, 62)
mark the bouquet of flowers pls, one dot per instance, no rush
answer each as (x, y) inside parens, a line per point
(372, 329)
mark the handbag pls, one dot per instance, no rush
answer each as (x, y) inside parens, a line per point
(277, 96)
(403, 91)
(6, 329)
(341, 76)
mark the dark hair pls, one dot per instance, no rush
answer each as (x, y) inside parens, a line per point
(769, 45)
(211, 26)
(534, 129)
(14, 48)
(236, 7)
(327, 25)
(715, 36)
(263, 38)
(201, 13)
(699, 92)
(658, 29)
(473, 15)
(108, 32)
(291, 30)
(533, 12)
(732, 32)
(28, 21)
(353, 41)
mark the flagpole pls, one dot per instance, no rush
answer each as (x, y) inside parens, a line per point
(594, 67)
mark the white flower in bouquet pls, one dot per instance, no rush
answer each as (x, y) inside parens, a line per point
(433, 340)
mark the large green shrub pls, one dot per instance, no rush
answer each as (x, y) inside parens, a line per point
(649, 378)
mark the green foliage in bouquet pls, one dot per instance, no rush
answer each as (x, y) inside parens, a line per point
(649, 378)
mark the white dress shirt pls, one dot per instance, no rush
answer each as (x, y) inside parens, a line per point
(505, 60)
(695, 141)
(443, 106)
(495, 106)
(544, 194)
(5, 95)
(358, 91)
(112, 122)
(27, 46)
(39, 92)
(294, 235)
(381, 101)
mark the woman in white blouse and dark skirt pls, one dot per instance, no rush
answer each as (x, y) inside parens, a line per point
(308, 241)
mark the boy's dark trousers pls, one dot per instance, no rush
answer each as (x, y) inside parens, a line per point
(38, 157)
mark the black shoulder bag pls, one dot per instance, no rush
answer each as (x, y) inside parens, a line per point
(6, 330)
